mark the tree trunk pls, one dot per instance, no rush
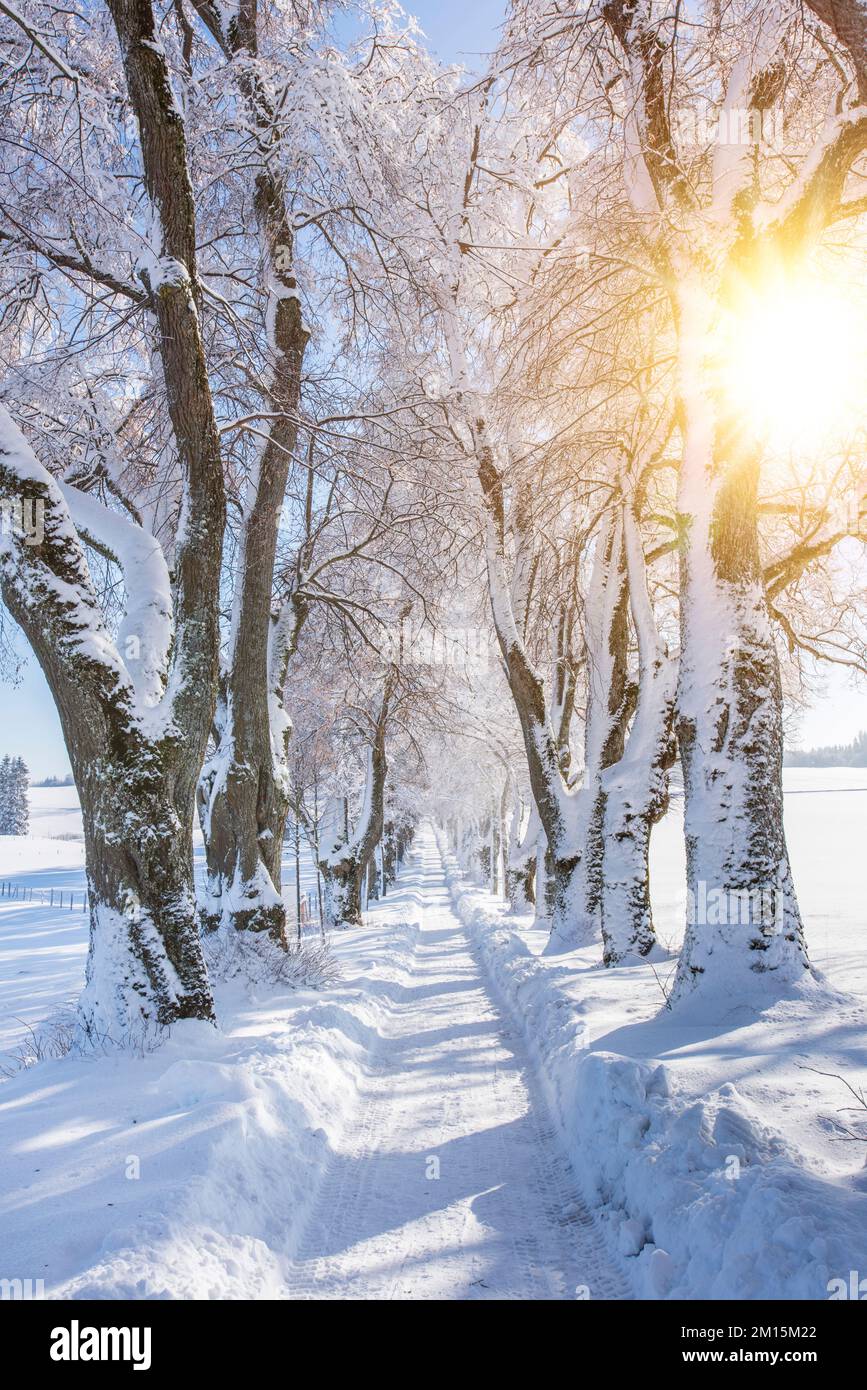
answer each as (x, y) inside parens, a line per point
(136, 731)
(245, 790)
(494, 850)
(521, 870)
(389, 854)
(405, 834)
(344, 882)
(145, 962)
(610, 702)
(743, 917)
(134, 773)
(635, 789)
(541, 888)
(372, 878)
(571, 820)
(555, 804)
(344, 868)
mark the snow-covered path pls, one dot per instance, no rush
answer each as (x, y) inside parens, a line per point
(453, 1183)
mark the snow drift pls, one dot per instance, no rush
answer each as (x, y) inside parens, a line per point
(702, 1196)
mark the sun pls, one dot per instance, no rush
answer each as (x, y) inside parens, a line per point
(794, 363)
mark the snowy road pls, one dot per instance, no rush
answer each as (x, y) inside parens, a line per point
(452, 1184)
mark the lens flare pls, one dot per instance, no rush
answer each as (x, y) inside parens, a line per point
(794, 364)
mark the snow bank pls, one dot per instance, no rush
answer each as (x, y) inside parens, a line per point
(701, 1196)
(188, 1172)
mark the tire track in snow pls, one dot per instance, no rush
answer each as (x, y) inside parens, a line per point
(449, 1091)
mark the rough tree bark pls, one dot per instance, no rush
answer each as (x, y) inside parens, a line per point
(635, 789)
(136, 729)
(730, 729)
(610, 703)
(571, 818)
(522, 852)
(245, 791)
(555, 804)
(343, 869)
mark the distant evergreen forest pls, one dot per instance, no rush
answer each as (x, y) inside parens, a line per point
(852, 754)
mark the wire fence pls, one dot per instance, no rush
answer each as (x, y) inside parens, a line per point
(76, 900)
(69, 899)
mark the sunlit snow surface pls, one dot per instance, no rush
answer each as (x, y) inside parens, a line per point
(244, 1140)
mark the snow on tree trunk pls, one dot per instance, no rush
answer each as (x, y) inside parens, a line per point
(469, 837)
(244, 796)
(572, 821)
(522, 853)
(145, 957)
(344, 867)
(134, 771)
(136, 726)
(497, 842)
(244, 790)
(540, 885)
(610, 700)
(743, 917)
(635, 789)
(342, 883)
(555, 804)
(389, 853)
(373, 878)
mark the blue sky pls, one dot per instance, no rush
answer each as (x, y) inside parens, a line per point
(458, 31)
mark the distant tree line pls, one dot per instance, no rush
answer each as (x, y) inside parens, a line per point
(852, 754)
(66, 781)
